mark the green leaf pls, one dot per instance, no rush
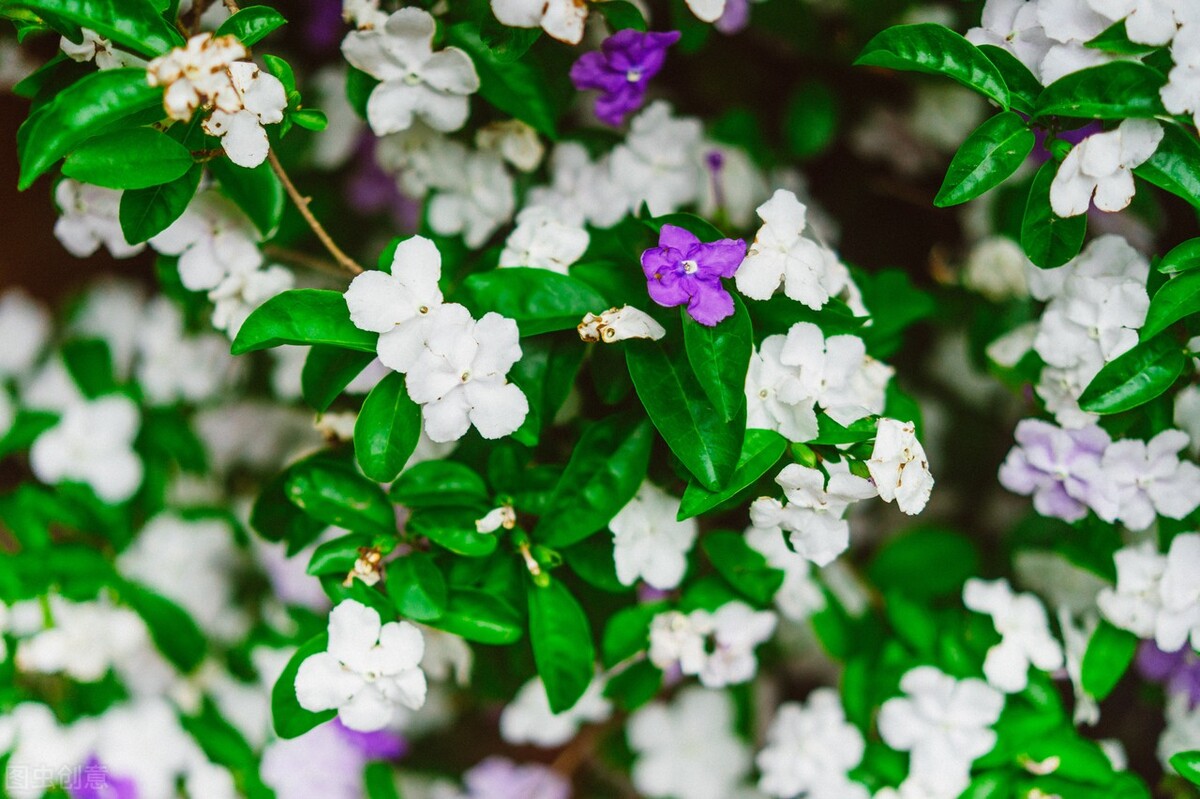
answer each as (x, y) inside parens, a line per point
(708, 446)
(480, 617)
(282, 70)
(387, 429)
(810, 120)
(438, 484)
(761, 450)
(720, 358)
(1183, 258)
(606, 468)
(77, 113)
(174, 632)
(628, 633)
(1106, 659)
(515, 87)
(562, 644)
(417, 587)
(742, 567)
(336, 495)
(302, 316)
(1136, 377)
(634, 685)
(1116, 90)
(1023, 87)
(927, 563)
(145, 213)
(453, 529)
(379, 781)
(540, 301)
(1115, 39)
(545, 374)
(134, 24)
(90, 365)
(830, 432)
(256, 191)
(592, 559)
(327, 371)
(337, 555)
(288, 718)
(275, 518)
(252, 24)
(986, 159)
(129, 159)
(1174, 300)
(622, 15)
(936, 50)
(698, 226)
(1047, 238)
(1188, 765)
(310, 119)
(1175, 165)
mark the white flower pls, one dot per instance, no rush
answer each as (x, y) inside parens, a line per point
(90, 220)
(1151, 480)
(734, 185)
(687, 750)
(659, 162)
(447, 657)
(1025, 638)
(1186, 416)
(261, 100)
(647, 540)
(581, 190)
(707, 10)
(95, 47)
(503, 516)
(799, 596)
(43, 746)
(236, 297)
(92, 444)
(1013, 25)
(780, 254)
(363, 14)
(1157, 596)
(515, 142)
(619, 324)
(1182, 733)
(996, 269)
(1075, 641)
(474, 196)
(196, 75)
(24, 329)
(1181, 94)
(543, 241)
(460, 377)
(899, 467)
(213, 240)
(1070, 20)
(810, 749)
(562, 19)
(529, 720)
(680, 639)
(1102, 166)
(775, 397)
(368, 671)
(836, 372)
(414, 80)
(814, 517)
(717, 647)
(944, 723)
(175, 367)
(85, 641)
(1152, 22)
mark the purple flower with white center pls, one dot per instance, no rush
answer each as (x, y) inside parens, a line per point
(684, 270)
(622, 70)
(1179, 671)
(1060, 468)
(97, 782)
(498, 778)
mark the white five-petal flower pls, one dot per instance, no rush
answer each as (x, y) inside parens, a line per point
(899, 467)
(647, 540)
(1024, 631)
(261, 100)
(93, 444)
(1101, 168)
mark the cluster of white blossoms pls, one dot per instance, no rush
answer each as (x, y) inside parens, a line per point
(454, 365)
(799, 595)
(89, 219)
(565, 19)
(211, 73)
(1100, 168)
(528, 719)
(790, 376)
(717, 647)
(1156, 595)
(1025, 638)
(810, 750)
(92, 443)
(648, 542)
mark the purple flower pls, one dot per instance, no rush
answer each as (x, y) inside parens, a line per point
(734, 18)
(379, 745)
(1060, 468)
(497, 778)
(96, 782)
(621, 71)
(683, 269)
(1180, 671)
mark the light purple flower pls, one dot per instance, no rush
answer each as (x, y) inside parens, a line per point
(498, 778)
(327, 761)
(734, 18)
(684, 270)
(1179, 671)
(378, 745)
(96, 782)
(1060, 468)
(622, 70)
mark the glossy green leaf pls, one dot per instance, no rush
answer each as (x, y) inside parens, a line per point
(1136, 377)
(337, 556)
(698, 226)
(720, 359)
(480, 617)
(936, 50)
(337, 495)
(692, 427)
(133, 24)
(1047, 238)
(128, 159)
(628, 633)
(302, 316)
(622, 15)
(634, 685)
(1175, 165)
(1115, 39)
(144, 213)
(310, 119)
(1109, 653)
(742, 567)
(287, 717)
(562, 644)
(592, 559)
(417, 587)
(926, 563)
(77, 113)
(327, 371)
(387, 429)
(545, 375)
(256, 191)
(174, 632)
(1023, 87)
(1116, 90)
(1182, 258)
(438, 484)
(252, 24)
(275, 518)
(989, 156)
(540, 301)
(513, 87)
(606, 468)
(1174, 300)
(761, 450)
(1188, 765)
(453, 529)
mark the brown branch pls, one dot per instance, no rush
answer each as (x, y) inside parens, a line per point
(344, 261)
(297, 258)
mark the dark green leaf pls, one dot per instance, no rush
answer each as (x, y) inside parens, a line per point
(1188, 765)
(698, 226)
(147, 212)
(134, 24)
(628, 633)
(1116, 90)
(927, 563)
(760, 451)
(379, 781)
(289, 719)
(282, 70)
(256, 191)
(743, 567)
(936, 50)
(592, 559)
(1047, 238)
(252, 24)
(540, 301)
(302, 316)
(480, 617)
(1115, 39)
(453, 529)
(562, 644)
(327, 371)
(810, 121)
(438, 484)
(90, 365)
(622, 15)
(417, 587)
(1108, 655)
(1175, 165)
(173, 630)
(337, 556)
(1183, 258)
(605, 470)
(275, 518)
(1023, 87)
(129, 159)
(720, 358)
(545, 374)
(634, 685)
(986, 159)
(337, 495)
(387, 429)
(515, 88)
(1136, 377)
(1174, 300)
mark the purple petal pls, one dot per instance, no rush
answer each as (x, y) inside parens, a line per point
(677, 238)
(710, 304)
(612, 107)
(658, 261)
(671, 289)
(590, 71)
(721, 258)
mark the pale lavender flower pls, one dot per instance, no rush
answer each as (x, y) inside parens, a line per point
(96, 782)
(498, 778)
(735, 17)
(1178, 671)
(1060, 468)
(622, 70)
(684, 270)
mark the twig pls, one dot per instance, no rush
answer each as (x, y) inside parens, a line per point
(298, 258)
(344, 261)
(577, 753)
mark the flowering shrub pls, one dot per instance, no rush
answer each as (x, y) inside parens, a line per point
(609, 487)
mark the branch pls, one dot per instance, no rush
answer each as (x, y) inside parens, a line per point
(344, 261)
(297, 258)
